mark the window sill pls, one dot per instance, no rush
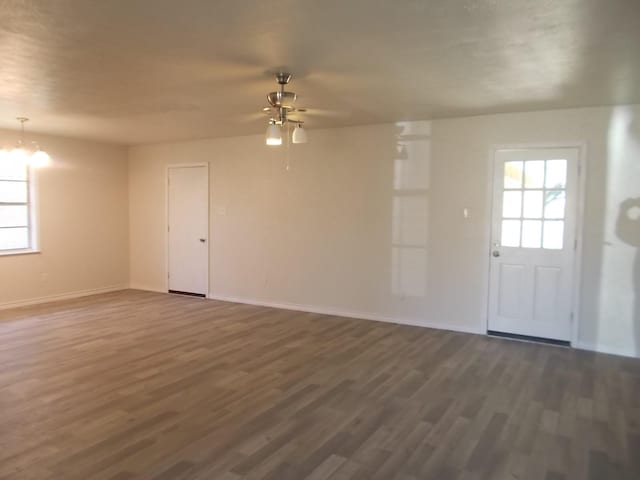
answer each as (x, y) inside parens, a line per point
(24, 251)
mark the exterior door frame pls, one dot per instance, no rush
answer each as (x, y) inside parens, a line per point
(166, 220)
(580, 206)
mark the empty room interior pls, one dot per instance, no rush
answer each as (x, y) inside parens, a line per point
(320, 240)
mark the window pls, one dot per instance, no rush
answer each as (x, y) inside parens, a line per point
(16, 224)
(533, 204)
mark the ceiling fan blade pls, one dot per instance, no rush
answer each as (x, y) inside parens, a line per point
(222, 69)
(319, 112)
(252, 117)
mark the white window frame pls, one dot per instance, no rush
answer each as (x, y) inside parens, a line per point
(31, 216)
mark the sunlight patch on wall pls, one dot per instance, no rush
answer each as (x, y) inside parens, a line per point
(619, 300)
(410, 209)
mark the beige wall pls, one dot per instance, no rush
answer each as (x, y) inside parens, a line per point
(82, 200)
(368, 221)
(329, 217)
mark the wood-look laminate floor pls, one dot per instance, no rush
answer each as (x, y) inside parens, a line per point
(137, 385)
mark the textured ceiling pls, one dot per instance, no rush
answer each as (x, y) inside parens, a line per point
(137, 71)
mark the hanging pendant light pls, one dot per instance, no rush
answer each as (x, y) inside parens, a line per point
(20, 152)
(23, 152)
(299, 134)
(273, 137)
(40, 158)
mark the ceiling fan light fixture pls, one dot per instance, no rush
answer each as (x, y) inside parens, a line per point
(279, 109)
(299, 134)
(273, 136)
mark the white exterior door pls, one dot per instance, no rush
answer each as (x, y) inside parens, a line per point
(188, 212)
(533, 244)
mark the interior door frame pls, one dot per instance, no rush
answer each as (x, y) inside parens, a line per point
(580, 207)
(166, 220)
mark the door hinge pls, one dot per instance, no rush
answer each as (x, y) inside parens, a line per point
(571, 316)
(575, 244)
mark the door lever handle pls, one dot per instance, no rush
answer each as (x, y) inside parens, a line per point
(495, 253)
(203, 240)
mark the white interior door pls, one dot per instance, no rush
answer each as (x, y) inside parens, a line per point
(533, 242)
(188, 213)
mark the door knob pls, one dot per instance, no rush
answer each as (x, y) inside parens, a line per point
(495, 253)
(203, 240)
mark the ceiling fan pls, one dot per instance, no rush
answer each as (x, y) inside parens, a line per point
(281, 107)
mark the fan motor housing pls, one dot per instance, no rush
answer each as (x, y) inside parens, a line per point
(281, 99)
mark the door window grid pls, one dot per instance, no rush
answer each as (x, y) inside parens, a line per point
(533, 209)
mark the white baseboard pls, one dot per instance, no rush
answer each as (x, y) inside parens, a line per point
(345, 313)
(402, 321)
(623, 352)
(62, 296)
(146, 288)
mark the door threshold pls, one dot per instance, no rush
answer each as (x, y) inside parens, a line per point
(527, 338)
(189, 294)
